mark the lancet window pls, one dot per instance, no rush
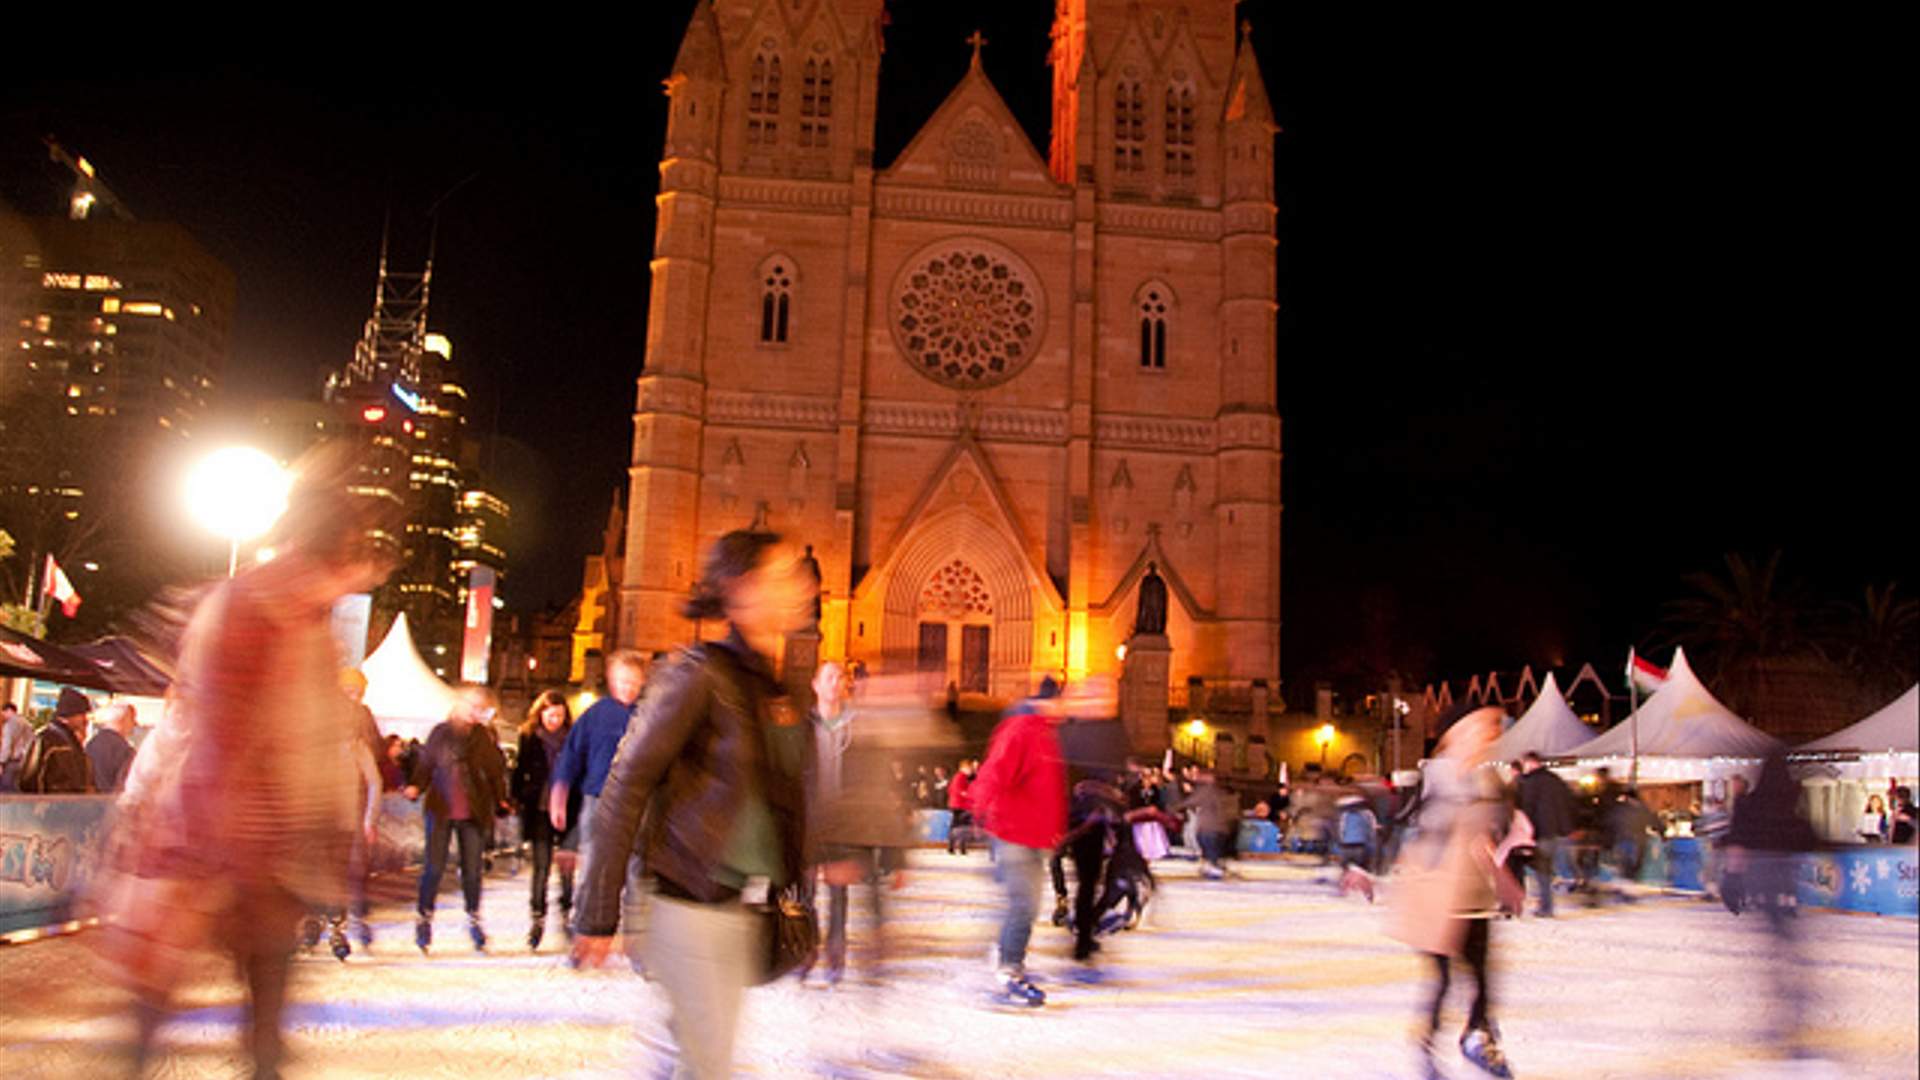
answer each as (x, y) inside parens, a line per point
(1129, 128)
(776, 300)
(763, 100)
(816, 103)
(1180, 141)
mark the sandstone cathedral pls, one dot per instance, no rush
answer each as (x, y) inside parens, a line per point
(989, 388)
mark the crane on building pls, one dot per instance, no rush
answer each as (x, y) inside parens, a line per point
(89, 191)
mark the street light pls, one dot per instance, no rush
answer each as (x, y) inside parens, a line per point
(1325, 738)
(237, 493)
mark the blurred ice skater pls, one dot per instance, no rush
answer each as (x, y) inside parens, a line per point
(1450, 886)
(1764, 842)
(464, 777)
(1020, 798)
(227, 832)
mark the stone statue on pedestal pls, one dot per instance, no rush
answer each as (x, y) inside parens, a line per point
(1151, 618)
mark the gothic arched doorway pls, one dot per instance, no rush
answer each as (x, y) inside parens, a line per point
(956, 628)
(959, 607)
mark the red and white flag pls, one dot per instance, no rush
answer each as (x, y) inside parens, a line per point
(1647, 677)
(57, 586)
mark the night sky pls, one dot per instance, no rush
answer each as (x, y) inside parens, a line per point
(1570, 307)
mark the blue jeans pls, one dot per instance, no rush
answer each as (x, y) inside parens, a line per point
(472, 844)
(1019, 869)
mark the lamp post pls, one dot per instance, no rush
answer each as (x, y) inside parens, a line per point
(237, 493)
(1325, 738)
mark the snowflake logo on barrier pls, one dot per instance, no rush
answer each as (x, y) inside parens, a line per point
(1885, 869)
(1862, 878)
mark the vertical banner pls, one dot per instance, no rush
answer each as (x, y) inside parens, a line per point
(352, 618)
(478, 642)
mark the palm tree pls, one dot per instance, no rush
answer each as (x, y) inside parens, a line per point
(1736, 622)
(1877, 639)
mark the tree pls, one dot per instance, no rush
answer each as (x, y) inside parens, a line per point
(1736, 622)
(1877, 639)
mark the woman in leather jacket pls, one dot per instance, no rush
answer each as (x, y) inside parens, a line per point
(714, 763)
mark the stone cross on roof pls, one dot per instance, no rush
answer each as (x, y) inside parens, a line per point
(976, 40)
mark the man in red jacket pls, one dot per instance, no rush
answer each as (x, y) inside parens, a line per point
(1020, 798)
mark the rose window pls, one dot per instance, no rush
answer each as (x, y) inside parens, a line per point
(968, 315)
(955, 592)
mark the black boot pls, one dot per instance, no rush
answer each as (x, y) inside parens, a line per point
(536, 930)
(423, 932)
(337, 938)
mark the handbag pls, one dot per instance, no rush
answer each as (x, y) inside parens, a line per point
(793, 934)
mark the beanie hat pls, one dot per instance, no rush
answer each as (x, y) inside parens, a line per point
(72, 703)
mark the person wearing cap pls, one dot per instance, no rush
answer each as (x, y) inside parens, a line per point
(57, 762)
(110, 751)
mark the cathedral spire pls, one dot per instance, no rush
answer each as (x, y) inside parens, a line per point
(699, 55)
(1246, 91)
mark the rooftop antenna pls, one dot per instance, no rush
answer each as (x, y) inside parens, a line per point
(89, 191)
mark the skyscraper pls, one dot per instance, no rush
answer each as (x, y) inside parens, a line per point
(111, 353)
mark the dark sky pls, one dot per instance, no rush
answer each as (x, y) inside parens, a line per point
(1571, 304)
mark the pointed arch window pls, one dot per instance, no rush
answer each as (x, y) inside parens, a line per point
(1153, 304)
(1180, 142)
(776, 300)
(763, 99)
(1129, 128)
(816, 103)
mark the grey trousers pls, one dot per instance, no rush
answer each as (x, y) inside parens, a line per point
(703, 957)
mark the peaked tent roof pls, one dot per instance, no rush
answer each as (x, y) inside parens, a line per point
(406, 697)
(1682, 720)
(1895, 728)
(1548, 728)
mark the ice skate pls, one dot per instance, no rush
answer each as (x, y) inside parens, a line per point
(1482, 1049)
(536, 931)
(310, 931)
(474, 931)
(1017, 989)
(1059, 911)
(362, 933)
(1357, 880)
(337, 939)
(423, 932)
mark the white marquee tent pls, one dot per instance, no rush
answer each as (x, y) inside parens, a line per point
(1841, 770)
(1685, 734)
(406, 697)
(1884, 744)
(1548, 728)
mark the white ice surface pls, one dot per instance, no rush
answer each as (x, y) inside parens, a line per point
(1269, 974)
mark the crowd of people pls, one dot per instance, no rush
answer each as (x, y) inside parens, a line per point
(699, 813)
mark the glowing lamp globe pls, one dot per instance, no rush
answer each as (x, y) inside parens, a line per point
(237, 493)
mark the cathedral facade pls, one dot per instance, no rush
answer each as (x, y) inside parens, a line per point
(988, 387)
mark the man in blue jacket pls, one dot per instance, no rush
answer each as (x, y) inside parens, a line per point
(584, 760)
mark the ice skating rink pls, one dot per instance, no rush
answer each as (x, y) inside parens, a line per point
(1267, 974)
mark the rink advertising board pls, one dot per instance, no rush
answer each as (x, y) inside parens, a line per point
(47, 845)
(1882, 880)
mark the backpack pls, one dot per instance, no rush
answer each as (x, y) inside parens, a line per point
(33, 773)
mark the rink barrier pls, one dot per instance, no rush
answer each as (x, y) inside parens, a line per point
(48, 845)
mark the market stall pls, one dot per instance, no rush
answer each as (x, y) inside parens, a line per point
(1684, 735)
(1843, 770)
